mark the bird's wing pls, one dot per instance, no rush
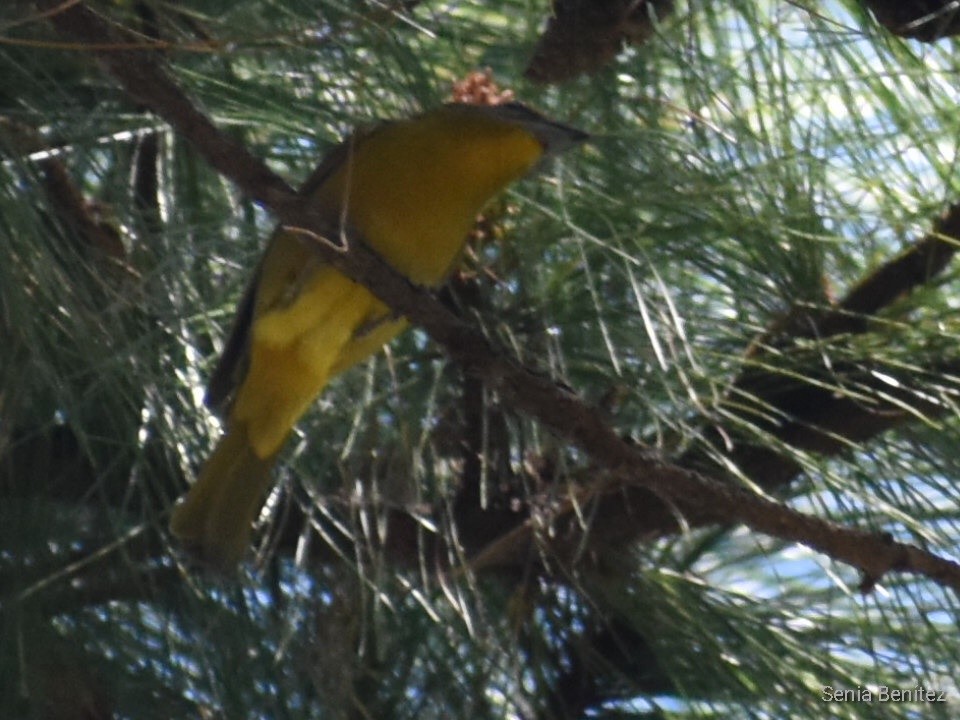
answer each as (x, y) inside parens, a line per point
(232, 365)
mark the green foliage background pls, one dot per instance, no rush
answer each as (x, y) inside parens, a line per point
(751, 158)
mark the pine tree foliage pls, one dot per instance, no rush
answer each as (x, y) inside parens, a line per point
(755, 166)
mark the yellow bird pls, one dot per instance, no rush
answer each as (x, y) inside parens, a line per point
(412, 190)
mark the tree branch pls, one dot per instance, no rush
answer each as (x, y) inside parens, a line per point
(813, 416)
(817, 418)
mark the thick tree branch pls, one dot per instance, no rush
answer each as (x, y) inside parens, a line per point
(818, 418)
(925, 259)
(555, 407)
(815, 416)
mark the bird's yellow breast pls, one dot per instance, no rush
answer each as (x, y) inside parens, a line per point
(413, 190)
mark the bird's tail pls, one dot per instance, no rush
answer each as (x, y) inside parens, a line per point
(214, 520)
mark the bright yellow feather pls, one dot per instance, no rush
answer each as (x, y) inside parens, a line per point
(412, 190)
